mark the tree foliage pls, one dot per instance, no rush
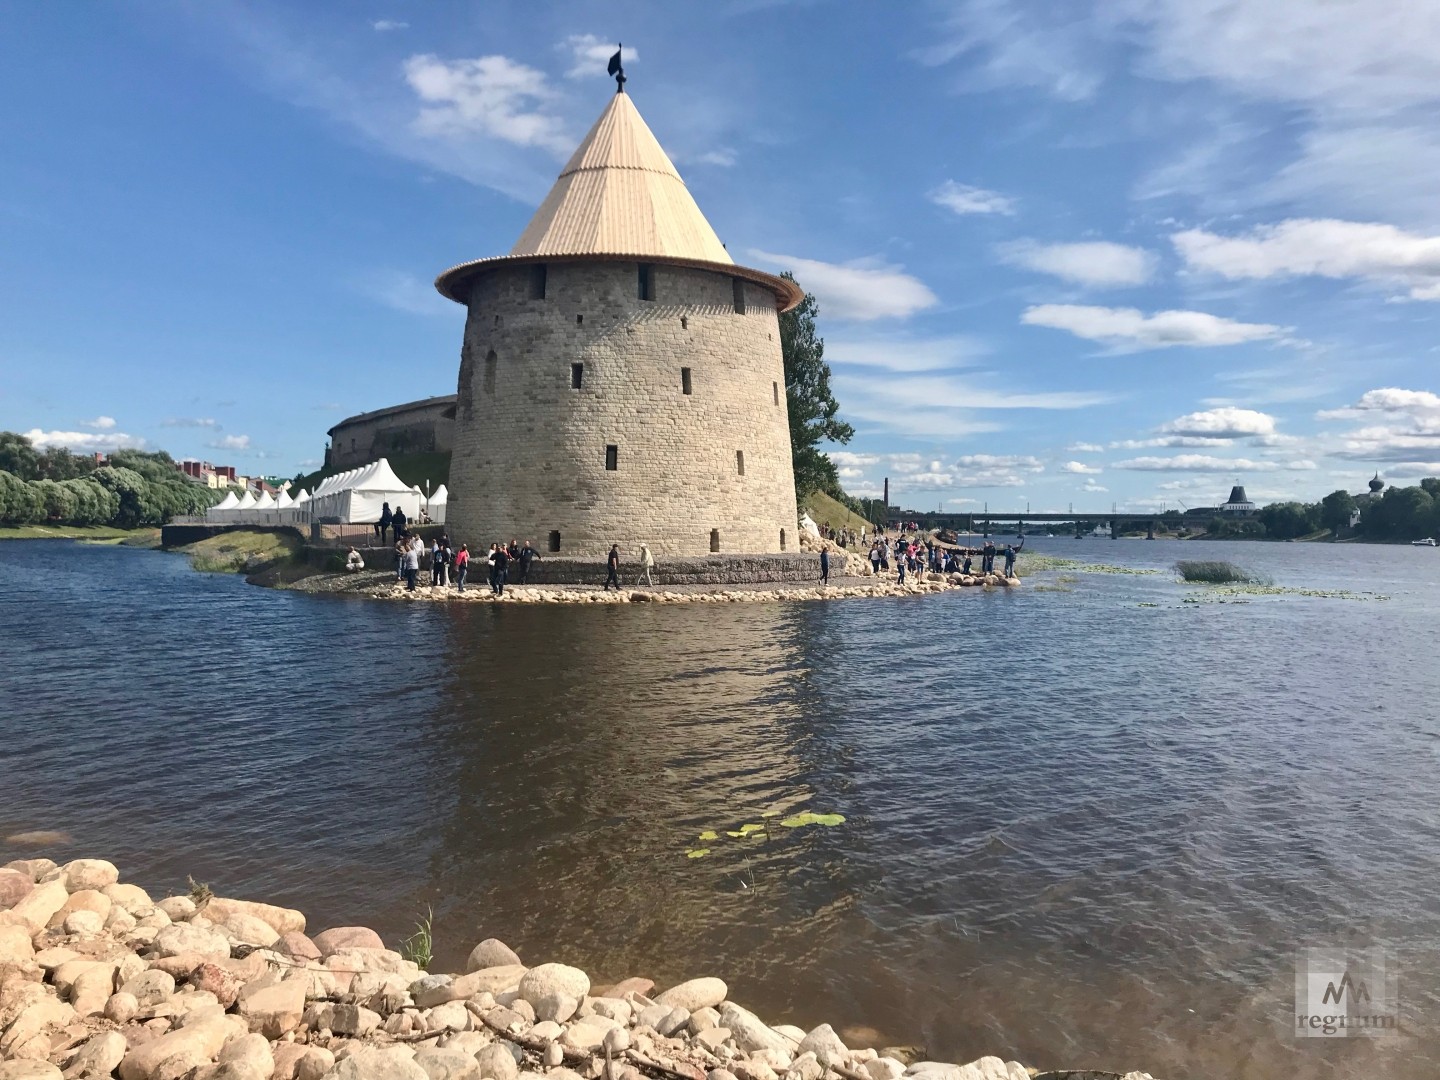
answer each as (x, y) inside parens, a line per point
(813, 410)
(1336, 510)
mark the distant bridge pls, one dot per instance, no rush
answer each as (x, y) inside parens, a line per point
(1118, 520)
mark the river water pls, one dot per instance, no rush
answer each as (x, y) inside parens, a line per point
(1088, 823)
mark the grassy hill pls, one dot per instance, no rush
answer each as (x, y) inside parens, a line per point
(827, 511)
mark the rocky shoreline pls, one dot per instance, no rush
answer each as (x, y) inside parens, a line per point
(99, 980)
(381, 585)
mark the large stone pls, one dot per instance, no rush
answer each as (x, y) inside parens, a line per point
(252, 1050)
(283, 920)
(32, 1018)
(132, 898)
(554, 990)
(150, 987)
(496, 1062)
(121, 1008)
(15, 946)
(695, 994)
(177, 1051)
(82, 900)
(296, 946)
(492, 953)
(92, 989)
(587, 1035)
(347, 937)
(367, 1063)
(750, 1032)
(83, 924)
(452, 1016)
(386, 960)
(314, 1063)
(100, 1056)
(447, 1064)
(39, 906)
(272, 1010)
(28, 1070)
(90, 874)
(343, 1019)
(179, 939)
(632, 986)
(14, 887)
(177, 908)
(220, 981)
(825, 1045)
(245, 929)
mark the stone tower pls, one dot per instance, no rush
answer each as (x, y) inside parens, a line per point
(621, 378)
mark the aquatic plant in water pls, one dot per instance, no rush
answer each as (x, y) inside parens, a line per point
(762, 828)
(1216, 572)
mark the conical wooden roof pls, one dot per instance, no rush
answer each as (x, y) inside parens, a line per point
(620, 195)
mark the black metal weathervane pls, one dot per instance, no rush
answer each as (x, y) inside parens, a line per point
(617, 69)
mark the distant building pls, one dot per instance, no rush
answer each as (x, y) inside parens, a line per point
(1238, 505)
(417, 427)
(202, 472)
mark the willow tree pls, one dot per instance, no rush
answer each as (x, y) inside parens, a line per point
(812, 405)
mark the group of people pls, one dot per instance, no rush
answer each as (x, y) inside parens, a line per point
(498, 563)
(845, 537)
(612, 567)
(916, 557)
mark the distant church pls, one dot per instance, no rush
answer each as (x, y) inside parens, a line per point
(621, 378)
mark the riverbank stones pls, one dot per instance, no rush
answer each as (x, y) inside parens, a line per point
(555, 991)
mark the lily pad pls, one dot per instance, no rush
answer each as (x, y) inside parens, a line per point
(809, 817)
(709, 835)
(770, 813)
(747, 829)
(697, 853)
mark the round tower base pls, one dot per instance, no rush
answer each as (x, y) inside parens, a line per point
(668, 570)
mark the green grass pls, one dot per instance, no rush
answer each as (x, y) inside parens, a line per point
(827, 511)
(240, 549)
(1216, 572)
(420, 946)
(68, 532)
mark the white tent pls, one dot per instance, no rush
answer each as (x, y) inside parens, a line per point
(808, 524)
(358, 496)
(438, 502)
(284, 501)
(221, 510)
(265, 502)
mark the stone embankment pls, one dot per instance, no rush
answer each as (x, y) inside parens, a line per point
(98, 980)
(383, 586)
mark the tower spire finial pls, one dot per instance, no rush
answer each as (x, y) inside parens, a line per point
(617, 69)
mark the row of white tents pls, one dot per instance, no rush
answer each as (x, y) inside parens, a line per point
(356, 497)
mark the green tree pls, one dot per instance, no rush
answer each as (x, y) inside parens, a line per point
(812, 406)
(58, 503)
(19, 503)
(1288, 520)
(136, 507)
(18, 457)
(1336, 510)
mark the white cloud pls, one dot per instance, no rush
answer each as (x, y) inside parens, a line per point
(964, 199)
(1092, 486)
(190, 422)
(932, 391)
(1222, 423)
(84, 440)
(1402, 425)
(1085, 448)
(895, 353)
(1133, 328)
(1023, 462)
(488, 95)
(589, 55)
(861, 290)
(100, 423)
(1319, 247)
(1080, 468)
(405, 292)
(850, 459)
(230, 442)
(1206, 463)
(1099, 263)
(385, 25)
(723, 156)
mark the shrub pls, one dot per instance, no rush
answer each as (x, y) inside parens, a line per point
(1217, 573)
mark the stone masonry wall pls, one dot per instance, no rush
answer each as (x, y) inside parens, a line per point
(425, 428)
(530, 449)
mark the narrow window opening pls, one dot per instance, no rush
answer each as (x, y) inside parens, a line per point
(555, 540)
(775, 389)
(782, 539)
(491, 362)
(612, 458)
(684, 322)
(737, 287)
(537, 281)
(740, 462)
(579, 320)
(685, 380)
(352, 444)
(714, 539)
(577, 376)
(647, 282)
(497, 320)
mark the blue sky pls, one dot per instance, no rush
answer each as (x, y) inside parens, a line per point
(1121, 255)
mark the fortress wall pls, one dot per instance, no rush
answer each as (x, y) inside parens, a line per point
(530, 449)
(424, 428)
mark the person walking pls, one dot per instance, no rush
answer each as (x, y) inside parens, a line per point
(462, 566)
(436, 562)
(875, 559)
(528, 554)
(647, 563)
(612, 567)
(824, 567)
(384, 524)
(502, 562)
(900, 562)
(400, 548)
